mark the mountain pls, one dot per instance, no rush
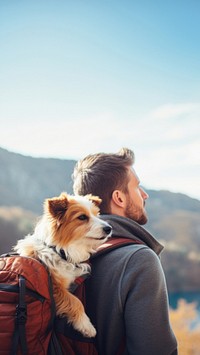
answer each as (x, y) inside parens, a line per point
(27, 181)
(173, 217)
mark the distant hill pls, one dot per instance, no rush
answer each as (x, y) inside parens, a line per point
(27, 181)
(173, 217)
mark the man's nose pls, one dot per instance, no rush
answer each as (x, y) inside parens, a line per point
(144, 194)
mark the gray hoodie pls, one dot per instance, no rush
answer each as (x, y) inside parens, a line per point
(127, 297)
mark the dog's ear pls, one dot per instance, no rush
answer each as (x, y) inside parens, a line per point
(57, 206)
(95, 199)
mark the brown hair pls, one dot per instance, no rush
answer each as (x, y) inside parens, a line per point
(100, 174)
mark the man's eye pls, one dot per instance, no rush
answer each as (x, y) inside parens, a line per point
(83, 217)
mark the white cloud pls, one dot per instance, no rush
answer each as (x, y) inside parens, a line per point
(167, 150)
(175, 110)
(170, 157)
(63, 138)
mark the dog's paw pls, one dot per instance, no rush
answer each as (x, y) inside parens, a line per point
(85, 327)
(89, 332)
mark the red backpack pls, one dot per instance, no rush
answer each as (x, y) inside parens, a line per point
(28, 325)
(27, 308)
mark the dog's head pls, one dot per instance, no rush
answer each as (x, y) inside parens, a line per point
(75, 225)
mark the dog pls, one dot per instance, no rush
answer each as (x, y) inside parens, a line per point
(65, 237)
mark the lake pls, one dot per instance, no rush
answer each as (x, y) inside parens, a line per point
(188, 296)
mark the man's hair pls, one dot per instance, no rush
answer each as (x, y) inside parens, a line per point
(100, 174)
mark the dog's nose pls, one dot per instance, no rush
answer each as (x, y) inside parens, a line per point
(107, 229)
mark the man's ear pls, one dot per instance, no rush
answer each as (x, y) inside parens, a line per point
(118, 198)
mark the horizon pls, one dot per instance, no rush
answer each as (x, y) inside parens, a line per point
(68, 159)
(81, 77)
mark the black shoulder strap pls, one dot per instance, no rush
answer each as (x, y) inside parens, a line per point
(20, 320)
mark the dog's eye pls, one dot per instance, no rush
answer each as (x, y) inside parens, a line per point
(83, 217)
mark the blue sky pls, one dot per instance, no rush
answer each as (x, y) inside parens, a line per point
(78, 77)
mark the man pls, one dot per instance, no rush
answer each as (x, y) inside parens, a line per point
(126, 294)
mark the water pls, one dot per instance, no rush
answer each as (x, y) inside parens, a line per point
(190, 297)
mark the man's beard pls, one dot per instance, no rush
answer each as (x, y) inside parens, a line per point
(137, 214)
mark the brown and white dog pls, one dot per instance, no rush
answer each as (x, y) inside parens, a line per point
(67, 234)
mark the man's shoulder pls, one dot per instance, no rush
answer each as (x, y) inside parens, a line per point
(130, 257)
(120, 253)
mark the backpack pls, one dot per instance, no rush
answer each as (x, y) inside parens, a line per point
(28, 322)
(27, 309)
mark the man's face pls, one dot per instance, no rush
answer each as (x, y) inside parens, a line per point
(135, 199)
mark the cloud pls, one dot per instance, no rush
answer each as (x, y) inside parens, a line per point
(172, 125)
(166, 141)
(64, 137)
(174, 137)
(175, 110)
(170, 157)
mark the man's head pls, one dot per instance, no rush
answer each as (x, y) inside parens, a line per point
(111, 177)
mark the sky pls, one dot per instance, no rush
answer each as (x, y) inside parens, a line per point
(86, 76)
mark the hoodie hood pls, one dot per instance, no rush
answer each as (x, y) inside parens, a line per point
(127, 228)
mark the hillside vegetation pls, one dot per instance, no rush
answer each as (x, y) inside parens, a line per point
(173, 217)
(27, 181)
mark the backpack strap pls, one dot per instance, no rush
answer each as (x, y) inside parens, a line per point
(53, 304)
(114, 243)
(20, 320)
(78, 281)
